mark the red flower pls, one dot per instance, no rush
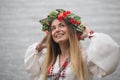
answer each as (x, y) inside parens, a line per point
(72, 21)
(66, 13)
(78, 22)
(60, 16)
(75, 22)
(63, 15)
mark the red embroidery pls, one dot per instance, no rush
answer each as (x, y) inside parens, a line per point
(56, 76)
(90, 34)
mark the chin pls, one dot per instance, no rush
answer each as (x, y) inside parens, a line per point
(61, 41)
(58, 41)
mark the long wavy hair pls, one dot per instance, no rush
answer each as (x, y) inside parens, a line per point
(75, 49)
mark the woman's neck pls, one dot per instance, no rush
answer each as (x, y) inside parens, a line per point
(64, 49)
(64, 53)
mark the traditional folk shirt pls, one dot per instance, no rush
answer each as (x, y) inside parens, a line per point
(100, 59)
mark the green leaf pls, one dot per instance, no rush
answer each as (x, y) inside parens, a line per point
(70, 15)
(53, 13)
(76, 17)
(80, 28)
(43, 21)
(60, 10)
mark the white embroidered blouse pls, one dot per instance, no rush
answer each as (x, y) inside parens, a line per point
(100, 59)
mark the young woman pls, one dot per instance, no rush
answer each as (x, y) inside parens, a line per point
(60, 56)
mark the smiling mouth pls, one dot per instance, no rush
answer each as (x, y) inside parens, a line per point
(59, 35)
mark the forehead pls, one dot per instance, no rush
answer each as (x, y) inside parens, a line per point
(57, 22)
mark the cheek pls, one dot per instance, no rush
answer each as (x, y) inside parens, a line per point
(68, 36)
(67, 33)
(52, 33)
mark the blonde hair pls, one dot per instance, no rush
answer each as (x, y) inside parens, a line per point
(53, 50)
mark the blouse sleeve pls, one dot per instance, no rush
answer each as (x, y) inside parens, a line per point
(33, 61)
(103, 55)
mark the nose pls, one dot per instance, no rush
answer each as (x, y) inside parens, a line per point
(57, 29)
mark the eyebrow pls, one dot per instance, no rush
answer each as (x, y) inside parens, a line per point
(58, 24)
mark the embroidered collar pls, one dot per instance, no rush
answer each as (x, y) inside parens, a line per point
(55, 76)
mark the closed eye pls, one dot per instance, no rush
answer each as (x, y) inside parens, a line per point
(61, 25)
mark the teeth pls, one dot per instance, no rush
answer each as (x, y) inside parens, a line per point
(59, 35)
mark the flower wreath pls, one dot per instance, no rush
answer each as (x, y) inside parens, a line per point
(61, 14)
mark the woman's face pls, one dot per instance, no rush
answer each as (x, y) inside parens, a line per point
(59, 31)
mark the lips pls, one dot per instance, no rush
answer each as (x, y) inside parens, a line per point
(59, 35)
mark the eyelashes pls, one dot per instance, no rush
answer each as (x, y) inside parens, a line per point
(60, 25)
